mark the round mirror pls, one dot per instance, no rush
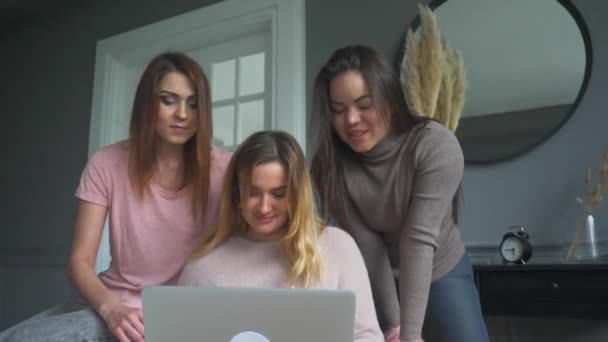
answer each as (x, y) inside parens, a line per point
(527, 66)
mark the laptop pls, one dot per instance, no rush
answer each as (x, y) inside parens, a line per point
(184, 314)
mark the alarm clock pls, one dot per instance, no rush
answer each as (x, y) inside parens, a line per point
(515, 247)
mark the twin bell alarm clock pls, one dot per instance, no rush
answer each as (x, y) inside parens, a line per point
(515, 247)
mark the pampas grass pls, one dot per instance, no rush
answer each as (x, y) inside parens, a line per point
(410, 75)
(431, 55)
(456, 62)
(432, 73)
(444, 102)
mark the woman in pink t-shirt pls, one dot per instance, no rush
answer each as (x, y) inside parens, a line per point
(159, 191)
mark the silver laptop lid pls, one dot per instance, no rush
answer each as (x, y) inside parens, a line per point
(247, 315)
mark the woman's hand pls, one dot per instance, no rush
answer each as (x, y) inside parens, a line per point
(392, 335)
(125, 322)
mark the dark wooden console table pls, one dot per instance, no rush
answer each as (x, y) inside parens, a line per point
(552, 290)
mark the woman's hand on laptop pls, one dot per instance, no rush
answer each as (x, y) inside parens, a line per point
(125, 322)
(392, 335)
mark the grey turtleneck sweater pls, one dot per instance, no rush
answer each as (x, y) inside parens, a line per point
(400, 214)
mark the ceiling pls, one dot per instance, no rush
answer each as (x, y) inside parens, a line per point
(14, 13)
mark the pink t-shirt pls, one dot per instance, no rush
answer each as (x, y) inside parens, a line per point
(150, 240)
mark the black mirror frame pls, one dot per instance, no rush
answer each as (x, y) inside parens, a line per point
(580, 22)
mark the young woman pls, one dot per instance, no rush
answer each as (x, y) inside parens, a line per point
(392, 180)
(269, 235)
(159, 190)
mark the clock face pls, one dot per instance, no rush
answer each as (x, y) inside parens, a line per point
(512, 249)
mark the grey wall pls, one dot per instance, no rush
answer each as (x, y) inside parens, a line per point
(45, 101)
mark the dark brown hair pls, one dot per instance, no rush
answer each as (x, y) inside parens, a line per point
(143, 136)
(382, 79)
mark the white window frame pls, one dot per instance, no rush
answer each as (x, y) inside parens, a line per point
(235, 50)
(222, 21)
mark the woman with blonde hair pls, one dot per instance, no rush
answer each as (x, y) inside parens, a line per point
(159, 191)
(268, 233)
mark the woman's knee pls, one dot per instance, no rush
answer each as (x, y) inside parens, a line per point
(81, 325)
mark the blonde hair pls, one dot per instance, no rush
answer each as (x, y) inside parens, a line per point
(299, 247)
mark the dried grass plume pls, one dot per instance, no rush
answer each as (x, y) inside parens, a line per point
(432, 74)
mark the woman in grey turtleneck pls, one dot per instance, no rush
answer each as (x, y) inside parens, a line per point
(392, 180)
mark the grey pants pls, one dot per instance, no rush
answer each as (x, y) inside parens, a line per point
(454, 312)
(71, 321)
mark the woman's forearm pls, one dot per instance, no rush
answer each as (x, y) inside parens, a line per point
(83, 277)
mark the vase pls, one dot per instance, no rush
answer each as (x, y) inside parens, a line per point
(583, 244)
(586, 236)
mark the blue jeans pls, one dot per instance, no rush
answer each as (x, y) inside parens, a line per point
(453, 312)
(71, 321)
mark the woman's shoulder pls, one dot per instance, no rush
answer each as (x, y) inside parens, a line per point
(433, 131)
(111, 154)
(334, 238)
(121, 146)
(332, 232)
(210, 258)
(221, 157)
(340, 250)
(434, 140)
(220, 153)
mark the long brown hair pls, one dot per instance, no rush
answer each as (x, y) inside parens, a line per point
(143, 137)
(299, 246)
(383, 82)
